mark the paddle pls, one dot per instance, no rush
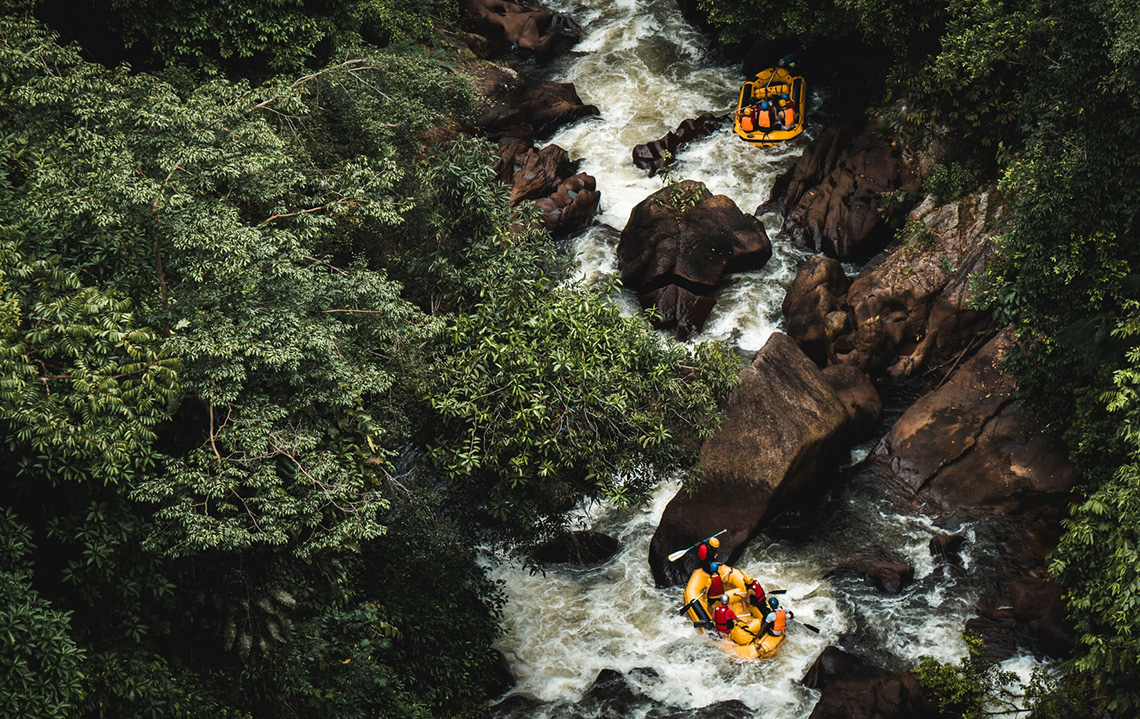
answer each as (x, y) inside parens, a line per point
(807, 626)
(682, 552)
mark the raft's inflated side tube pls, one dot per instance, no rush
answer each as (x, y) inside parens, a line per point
(746, 638)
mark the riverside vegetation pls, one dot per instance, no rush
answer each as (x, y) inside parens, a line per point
(272, 364)
(272, 361)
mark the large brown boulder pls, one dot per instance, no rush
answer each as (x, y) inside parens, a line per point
(813, 307)
(891, 300)
(1029, 616)
(509, 25)
(909, 308)
(571, 206)
(567, 199)
(859, 397)
(783, 427)
(532, 110)
(1040, 605)
(652, 156)
(850, 689)
(968, 444)
(678, 244)
(843, 190)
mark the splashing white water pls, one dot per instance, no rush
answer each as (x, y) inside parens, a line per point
(566, 625)
(647, 70)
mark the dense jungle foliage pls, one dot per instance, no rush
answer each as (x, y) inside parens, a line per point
(1045, 96)
(272, 362)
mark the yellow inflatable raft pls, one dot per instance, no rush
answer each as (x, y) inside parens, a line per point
(769, 85)
(747, 638)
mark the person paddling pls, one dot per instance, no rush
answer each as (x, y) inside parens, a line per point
(706, 553)
(716, 583)
(757, 596)
(777, 618)
(724, 619)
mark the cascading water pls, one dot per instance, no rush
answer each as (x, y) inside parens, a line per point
(647, 70)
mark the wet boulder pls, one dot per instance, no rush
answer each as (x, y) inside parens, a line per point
(609, 695)
(567, 199)
(968, 444)
(815, 294)
(947, 548)
(783, 431)
(532, 110)
(886, 576)
(516, 706)
(1030, 616)
(851, 689)
(859, 397)
(581, 548)
(891, 300)
(572, 206)
(953, 328)
(1040, 605)
(500, 679)
(652, 156)
(532, 173)
(508, 25)
(844, 189)
(678, 244)
(909, 308)
(730, 709)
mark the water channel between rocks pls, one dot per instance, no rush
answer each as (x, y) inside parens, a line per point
(647, 70)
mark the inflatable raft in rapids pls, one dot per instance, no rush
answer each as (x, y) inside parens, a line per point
(747, 638)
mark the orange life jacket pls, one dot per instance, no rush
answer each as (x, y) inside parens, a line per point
(789, 116)
(778, 624)
(765, 118)
(747, 123)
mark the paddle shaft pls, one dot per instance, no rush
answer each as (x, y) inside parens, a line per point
(806, 625)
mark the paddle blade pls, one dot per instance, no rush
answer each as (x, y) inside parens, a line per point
(777, 591)
(678, 554)
(809, 627)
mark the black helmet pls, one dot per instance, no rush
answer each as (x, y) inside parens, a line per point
(773, 603)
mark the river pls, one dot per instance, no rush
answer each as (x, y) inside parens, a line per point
(647, 69)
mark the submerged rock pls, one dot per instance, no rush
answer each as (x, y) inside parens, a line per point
(652, 156)
(581, 548)
(886, 576)
(783, 429)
